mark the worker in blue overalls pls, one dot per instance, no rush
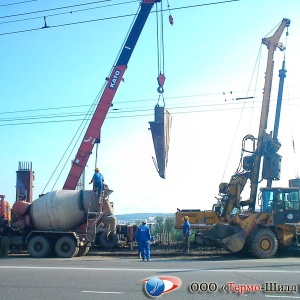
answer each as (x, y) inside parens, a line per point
(142, 237)
(98, 180)
(186, 231)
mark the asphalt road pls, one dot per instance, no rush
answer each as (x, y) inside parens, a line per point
(98, 277)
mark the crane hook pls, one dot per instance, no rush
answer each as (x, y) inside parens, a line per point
(161, 81)
(160, 89)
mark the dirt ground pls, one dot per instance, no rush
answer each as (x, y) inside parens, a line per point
(160, 250)
(174, 250)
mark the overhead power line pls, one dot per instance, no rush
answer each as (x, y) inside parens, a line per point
(129, 113)
(52, 9)
(67, 13)
(67, 24)
(153, 100)
(101, 19)
(17, 3)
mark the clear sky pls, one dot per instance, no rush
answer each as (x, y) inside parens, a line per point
(50, 77)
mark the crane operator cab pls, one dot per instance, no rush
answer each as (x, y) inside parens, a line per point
(283, 203)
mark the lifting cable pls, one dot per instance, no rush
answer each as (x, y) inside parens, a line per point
(121, 48)
(84, 123)
(78, 134)
(96, 158)
(161, 50)
(288, 100)
(257, 64)
(256, 67)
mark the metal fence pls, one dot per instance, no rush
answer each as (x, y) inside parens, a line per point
(164, 237)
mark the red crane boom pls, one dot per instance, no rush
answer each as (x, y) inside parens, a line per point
(93, 130)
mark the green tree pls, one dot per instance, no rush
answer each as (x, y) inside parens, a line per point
(169, 224)
(159, 226)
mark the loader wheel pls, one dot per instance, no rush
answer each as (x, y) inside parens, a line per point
(66, 247)
(39, 246)
(83, 251)
(263, 244)
(108, 241)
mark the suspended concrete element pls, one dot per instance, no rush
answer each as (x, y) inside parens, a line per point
(160, 130)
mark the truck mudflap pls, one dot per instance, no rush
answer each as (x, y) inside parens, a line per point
(231, 238)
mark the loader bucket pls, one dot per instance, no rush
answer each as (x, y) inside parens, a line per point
(231, 238)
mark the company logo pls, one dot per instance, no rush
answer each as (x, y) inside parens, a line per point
(156, 286)
(114, 79)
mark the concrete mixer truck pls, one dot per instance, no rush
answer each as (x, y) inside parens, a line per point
(60, 222)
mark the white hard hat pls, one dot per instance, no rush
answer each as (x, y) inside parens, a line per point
(145, 221)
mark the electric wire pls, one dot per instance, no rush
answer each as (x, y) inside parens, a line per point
(131, 15)
(240, 119)
(67, 24)
(92, 110)
(118, 112)
(258, 63)
(214, 107)
(142, 101)
(140, 113)
(17, 3)
(66, 13)
(77, 134)
(108, 18)
(52, 9)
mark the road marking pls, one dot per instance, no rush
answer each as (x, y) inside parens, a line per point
(289, 297)
(99, 292)
(152, 270)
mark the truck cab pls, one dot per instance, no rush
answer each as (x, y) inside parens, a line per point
(283, 202)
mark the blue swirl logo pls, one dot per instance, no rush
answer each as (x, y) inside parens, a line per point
(156, 286)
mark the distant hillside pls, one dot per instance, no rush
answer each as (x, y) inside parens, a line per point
(142, 216)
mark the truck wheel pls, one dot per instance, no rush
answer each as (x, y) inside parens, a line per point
(39, 246)
(66, 247)
(263, 244)
(83, 251)
(108, 241)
